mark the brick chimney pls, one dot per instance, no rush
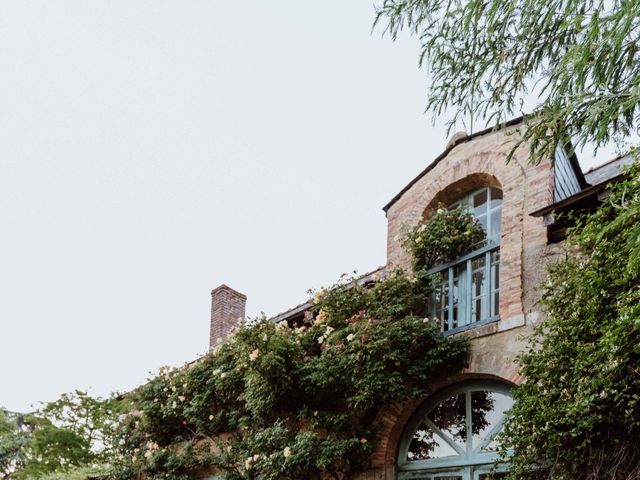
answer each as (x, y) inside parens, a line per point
(227, 311)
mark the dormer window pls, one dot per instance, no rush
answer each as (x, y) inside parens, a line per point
(468, 288)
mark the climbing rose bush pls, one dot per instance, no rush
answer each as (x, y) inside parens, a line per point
(446, 235)
(279, 401)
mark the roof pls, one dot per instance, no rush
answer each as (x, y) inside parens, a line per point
(303, 307)
(598, 177)
(575, 165)
(608, 170)
(451, 146)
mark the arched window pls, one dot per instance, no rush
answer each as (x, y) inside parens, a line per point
(468, 288)
(452, 436)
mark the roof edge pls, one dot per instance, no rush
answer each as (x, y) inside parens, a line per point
(431, 166)
(566, 202)
(364, 278)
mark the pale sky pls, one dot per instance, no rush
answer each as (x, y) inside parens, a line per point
(151, 150)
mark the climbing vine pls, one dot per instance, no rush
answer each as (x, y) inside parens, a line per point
(280, 401)
(577, 416)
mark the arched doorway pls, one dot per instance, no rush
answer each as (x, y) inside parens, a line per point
(452, 435)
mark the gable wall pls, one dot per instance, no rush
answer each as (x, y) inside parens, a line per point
(524, 257)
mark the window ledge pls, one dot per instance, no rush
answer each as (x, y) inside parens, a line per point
(471, 326)
(488, 326)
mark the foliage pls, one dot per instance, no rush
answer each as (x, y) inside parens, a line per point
(79, 473)
(444, 237)
(51, 449)
(73, 433)
(13, 439)
(94, 420)
(578, 414)
(579, 57)
(278, 401)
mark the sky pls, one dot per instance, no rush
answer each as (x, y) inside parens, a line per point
(151, 150)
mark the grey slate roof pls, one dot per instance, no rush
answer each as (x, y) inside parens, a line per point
(608, 170)
(303, 307)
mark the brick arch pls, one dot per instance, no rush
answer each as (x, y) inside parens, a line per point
(392, 421)
(462, 170)
(459, 188)
(455, 176)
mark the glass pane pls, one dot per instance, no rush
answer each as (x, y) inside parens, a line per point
(492, 476)
(495, 282)
(495, 277)
(477, 312)
(482, 220)
(448, 477)
(441, 299)
(478, 289)
(477, 267)
(449, 416)
(426, 444)
(495, 223)
(480, 202)
(496, 198)
(457, 271)
(487, 410)
(495, 304)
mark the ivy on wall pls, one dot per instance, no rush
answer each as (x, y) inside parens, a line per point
(279, 401)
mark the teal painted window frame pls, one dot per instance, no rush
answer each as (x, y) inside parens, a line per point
(454, 302)
(470, 463)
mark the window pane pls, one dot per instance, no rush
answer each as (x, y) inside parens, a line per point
(496, 198)
(495, 303)
(495, 224)
(461, 296)
(495, 282)
(449, 416)
(478, 289)
(480, 202)
(492, 476)
(482, 220)
(474, 290)
(495, 270)
(487, 410)
(441, 299)
(426, 444)
(477, 266)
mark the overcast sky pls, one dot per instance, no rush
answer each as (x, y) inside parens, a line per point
(151, 150)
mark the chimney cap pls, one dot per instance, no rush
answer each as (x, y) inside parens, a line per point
(228, 289)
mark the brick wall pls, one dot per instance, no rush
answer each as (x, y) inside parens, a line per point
(227, 311)
(469, 165)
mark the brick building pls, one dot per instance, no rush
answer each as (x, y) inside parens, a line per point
(489, 294)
